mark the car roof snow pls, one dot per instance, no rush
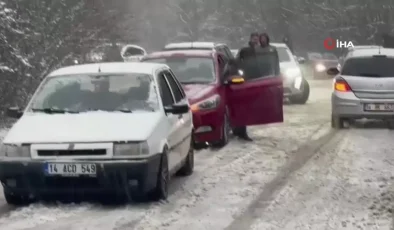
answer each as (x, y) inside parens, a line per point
(371, 52)
(110, 67)
(191, 45)
(168, 53)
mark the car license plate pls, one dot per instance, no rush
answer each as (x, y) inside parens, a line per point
(70, 169)
(379, 107)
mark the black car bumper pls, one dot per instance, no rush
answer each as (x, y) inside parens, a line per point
(113, 176)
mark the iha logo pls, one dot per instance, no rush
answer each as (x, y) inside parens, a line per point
(331, 44)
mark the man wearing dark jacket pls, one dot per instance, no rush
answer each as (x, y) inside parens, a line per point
(113, 54)
(243, 55)
(249, 51)
(265, 45)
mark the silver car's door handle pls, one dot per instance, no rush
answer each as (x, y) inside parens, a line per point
(180, 116)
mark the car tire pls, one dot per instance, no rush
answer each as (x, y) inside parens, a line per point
(160, 192)
(337, 122)
(14, 199)
(304, 96)
(390, 124)
(188, 167)
(225, 133)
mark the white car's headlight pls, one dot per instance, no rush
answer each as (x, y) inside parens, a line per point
(207, 104)
(320, 68)
(292, 72)
(131, 149)
(10, 150)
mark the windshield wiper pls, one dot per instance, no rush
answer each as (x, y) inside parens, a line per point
(124, 110)
(52, 110)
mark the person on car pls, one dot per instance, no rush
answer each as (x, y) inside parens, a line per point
(244, 56)
(113, 54)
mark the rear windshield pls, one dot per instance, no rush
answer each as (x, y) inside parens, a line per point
(189, 70)
(283, 55)
(369, 67)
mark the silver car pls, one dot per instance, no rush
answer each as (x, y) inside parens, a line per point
(295, 86)
(364, 87)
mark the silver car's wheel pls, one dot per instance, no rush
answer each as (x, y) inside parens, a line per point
(337, 122)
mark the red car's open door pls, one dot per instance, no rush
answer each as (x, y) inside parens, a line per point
(258, 99)
(256, 102)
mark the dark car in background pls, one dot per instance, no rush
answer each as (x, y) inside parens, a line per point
(321, 62)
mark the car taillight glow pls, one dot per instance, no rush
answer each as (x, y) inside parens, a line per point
(341, 85)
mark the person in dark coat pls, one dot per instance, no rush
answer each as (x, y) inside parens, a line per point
(249, 51)
(244, 56)
(265, 45)
(113, 54)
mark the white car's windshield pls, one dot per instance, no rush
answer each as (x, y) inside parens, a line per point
(190, 69)
(283, 55)
(81, 93)
(314, 56)
(329, 56)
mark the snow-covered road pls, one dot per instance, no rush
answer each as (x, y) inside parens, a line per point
(296, 175)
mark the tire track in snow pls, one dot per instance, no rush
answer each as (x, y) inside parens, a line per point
(256, 209)
(185, 196)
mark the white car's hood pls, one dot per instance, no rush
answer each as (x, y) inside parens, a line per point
(83, 127)
(287, 65)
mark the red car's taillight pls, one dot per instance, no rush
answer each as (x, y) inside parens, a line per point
(341, 85)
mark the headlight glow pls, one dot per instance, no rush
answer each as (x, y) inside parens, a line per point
(13, 150)
(292, 72)
(320, 67)
(131, 149)
(207, 104)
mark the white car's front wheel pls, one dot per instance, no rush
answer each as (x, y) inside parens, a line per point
(15, 199)
(160, 192)
(188, 167)
(304, 96)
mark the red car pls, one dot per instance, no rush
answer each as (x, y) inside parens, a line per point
(220, 102)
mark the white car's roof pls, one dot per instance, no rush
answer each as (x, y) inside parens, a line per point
(188, 45)
(371, 52)
(114, 67)
(363, 47)
(279, 45)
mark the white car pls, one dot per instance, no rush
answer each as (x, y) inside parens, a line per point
(111, 128)
(295, 86)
